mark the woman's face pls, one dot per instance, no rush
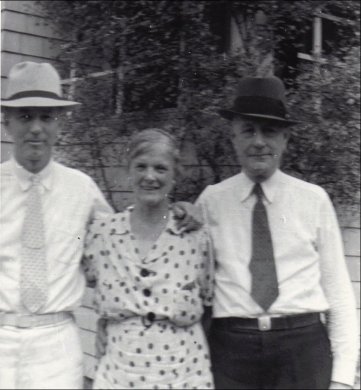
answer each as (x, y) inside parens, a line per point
(152, 175)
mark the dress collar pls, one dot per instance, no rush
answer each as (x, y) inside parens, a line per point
(24, 176)
(122, 225)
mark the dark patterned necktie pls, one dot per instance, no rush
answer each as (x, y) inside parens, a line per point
(33, 281)
(262, 266)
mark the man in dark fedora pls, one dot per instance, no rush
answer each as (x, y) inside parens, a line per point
(284, 311)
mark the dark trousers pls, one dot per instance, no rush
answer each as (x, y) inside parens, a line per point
(276, 359)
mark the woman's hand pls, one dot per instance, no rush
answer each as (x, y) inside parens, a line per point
(188, 216)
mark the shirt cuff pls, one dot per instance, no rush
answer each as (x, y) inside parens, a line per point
(344, 371)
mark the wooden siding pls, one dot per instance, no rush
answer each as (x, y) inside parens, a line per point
(25, 36)
(349, 219)
(86, 319)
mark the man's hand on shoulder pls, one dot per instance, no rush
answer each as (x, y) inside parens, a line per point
(188, 216)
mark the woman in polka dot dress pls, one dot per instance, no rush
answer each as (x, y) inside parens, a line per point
(152, 280)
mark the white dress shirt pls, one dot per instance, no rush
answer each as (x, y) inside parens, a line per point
(308, 251)
(70, 200)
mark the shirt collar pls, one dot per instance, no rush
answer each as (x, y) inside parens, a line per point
(245, 186)
(269, 186)
(24, 176)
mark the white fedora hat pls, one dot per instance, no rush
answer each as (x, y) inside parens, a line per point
(32, 84)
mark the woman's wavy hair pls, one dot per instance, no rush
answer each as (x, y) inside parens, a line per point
(144, 140)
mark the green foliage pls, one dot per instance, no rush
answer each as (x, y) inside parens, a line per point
(168, 56)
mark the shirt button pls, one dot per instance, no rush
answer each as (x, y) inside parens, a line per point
(151, 316)
(147, 292)
(144, 272)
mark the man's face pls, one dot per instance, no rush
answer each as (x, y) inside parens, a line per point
(259, 145)
(34, 132)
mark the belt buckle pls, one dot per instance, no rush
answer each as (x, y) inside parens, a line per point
(25, 321)
(264, 323)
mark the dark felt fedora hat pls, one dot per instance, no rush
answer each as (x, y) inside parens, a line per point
(260, 97)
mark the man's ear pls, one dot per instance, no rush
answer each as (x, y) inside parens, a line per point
(287, 134)
(4, 117)
(63, 113)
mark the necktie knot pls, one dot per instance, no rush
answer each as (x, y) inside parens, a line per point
(257, 190)
(35, 180)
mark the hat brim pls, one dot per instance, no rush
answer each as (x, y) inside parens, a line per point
(38, 102)
(229, 115)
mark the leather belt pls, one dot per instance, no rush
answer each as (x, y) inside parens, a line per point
(33, 320)
(264, 323)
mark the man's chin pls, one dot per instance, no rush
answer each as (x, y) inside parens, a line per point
(35, 159)
(259, 174)
(150, 200)
(34, 154)
(34, 162)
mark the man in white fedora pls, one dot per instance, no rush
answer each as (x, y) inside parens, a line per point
(44, 213)
(280, 268)
(45, 209)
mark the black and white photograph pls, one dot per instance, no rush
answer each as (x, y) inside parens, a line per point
(180, 194)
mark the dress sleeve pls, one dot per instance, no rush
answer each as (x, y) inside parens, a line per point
(206, 267)
(92, 247)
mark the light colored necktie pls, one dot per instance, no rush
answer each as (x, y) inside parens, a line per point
(262, 266)
(33, 281)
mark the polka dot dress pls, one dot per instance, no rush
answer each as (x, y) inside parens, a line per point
(154, 306)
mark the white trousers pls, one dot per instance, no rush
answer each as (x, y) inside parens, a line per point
(47, 357)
